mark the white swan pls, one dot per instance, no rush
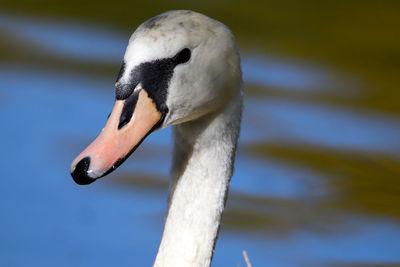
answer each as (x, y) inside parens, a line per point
(180, 68)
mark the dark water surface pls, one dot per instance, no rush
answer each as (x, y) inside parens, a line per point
(316, 180)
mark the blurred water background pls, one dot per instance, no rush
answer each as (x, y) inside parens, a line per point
(317, 176)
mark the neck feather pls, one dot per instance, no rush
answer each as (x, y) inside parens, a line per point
(203, 160)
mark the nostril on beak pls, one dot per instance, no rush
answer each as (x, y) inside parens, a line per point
(80, 174)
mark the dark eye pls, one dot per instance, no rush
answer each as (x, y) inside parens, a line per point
(183, 56)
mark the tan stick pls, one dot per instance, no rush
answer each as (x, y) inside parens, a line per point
(246, 258)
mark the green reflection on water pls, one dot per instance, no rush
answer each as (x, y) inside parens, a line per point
(356, 38)
(359, 182)
(266, 215)
(15, 51)
(249, 212)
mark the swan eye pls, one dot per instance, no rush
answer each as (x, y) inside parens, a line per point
(183, 56)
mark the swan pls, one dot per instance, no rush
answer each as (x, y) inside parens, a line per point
(180, 69)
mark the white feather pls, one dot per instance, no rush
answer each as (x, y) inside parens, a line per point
(205, 104)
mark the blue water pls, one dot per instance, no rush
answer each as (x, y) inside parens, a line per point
(49, 116)
(79, 41)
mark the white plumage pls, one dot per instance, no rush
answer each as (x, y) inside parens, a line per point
(205, 101)
(202, 100)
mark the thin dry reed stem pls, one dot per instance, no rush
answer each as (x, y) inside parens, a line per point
(246, 258)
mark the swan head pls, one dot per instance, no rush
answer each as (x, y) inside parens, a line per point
(178, 66)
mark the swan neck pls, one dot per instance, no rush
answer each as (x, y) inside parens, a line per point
(204, 153)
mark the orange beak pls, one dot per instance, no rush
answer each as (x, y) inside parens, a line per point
(115, 143)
